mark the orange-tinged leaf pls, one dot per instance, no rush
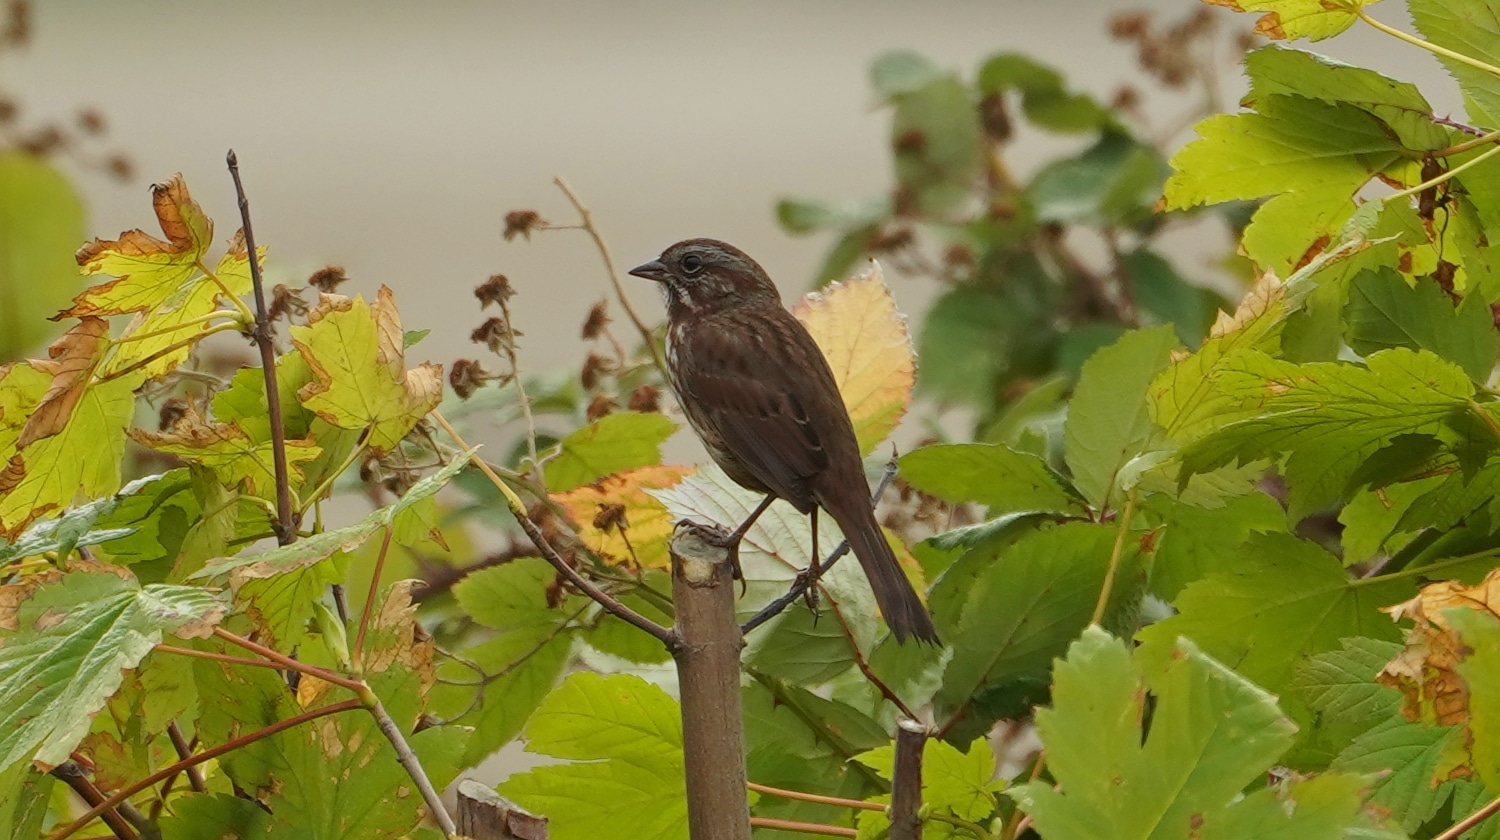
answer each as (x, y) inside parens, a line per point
(867, 344)
(1425, 672)
(646, 521)
(82, 458)
(226, 449)
(149, 270)
(72, 362)
(360, 379)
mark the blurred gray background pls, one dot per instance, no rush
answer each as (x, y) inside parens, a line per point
(392, 137)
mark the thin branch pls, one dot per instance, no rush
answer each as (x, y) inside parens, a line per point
(805, 828)
(815, 797)
(1427, 45)
(906, 780)
(72, 775)
(1445, 176)
(286, 525)
(184, 751)
(287, 662)
(614, 273)
(167, 351)
(207, 755)
(364, 615)
(518, 510)
(1471, 820)
(412, 764)
(806, 579)
(864, 668)
(515, 374)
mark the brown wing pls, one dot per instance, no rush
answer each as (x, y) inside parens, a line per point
(745, 387)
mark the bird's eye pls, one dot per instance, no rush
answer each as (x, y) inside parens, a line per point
(692, 264)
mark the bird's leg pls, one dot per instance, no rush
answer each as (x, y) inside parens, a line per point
(810, 575)
(732, 540)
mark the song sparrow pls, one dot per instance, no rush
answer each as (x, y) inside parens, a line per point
(759, 392)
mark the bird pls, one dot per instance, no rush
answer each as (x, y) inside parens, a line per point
(760, 394)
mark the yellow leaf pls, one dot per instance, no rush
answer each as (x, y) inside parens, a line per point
(72, 362)
(226, 449)
(149, 270)
(647, 525)
(359, 371)
(169, 322)
(865, 339)
(21, 390)
(83, 457)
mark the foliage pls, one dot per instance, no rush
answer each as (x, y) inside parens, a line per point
(1238, 573)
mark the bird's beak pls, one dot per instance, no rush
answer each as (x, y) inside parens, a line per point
(653, 270)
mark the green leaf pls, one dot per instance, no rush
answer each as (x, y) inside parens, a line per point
(1044, 97)
(613, 443)
(939, 150)
(1108, 421)
(1212, 733)
(1479, 631)
(68, 637)
(1328, 418)
(75, 528)
(1372, 518)
(24, 796)
(963, 346)
(1021, 611)
(41, 223)
(1288, 144)
(903, 71)
(997, 476)
(1275, 70)
(1405, 758)
(310, 550)
(1470, 28)
(1288, 600)
(1341, 683)
(799, 216)
(630, 734)
(959, 782)
(1385, 311)
(1195, 542)
(1166, 298)
(1114, 182)
(1311, 19)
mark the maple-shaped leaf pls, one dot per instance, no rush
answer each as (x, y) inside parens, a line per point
(1211, 734)
(1327, 418)
(1285, 20)
(168, 282)
(865, 339)
(71, 364)
(618, 520)
(229, 451)
(149, 270)
(179, 316)
(81, 458)
(625, 736)
(357, 357)
(67, 637)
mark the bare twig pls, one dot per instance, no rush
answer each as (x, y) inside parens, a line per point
(614, 273)
(815, 797)
(518, 510)
(73, 776)
(364, 615)
(515, 374)
(207, 755)
(287, 662)
(806, 579)
(804, 827)
(184, 750)
(1114, 559)
(286, 526)
(864, 668)
(410, 761)
(1463, 825)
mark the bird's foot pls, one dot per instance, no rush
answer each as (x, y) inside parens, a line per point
(715, 535)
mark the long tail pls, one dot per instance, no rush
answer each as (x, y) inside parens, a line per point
(898, 602)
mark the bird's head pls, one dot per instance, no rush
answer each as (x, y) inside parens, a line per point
(706, 274)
